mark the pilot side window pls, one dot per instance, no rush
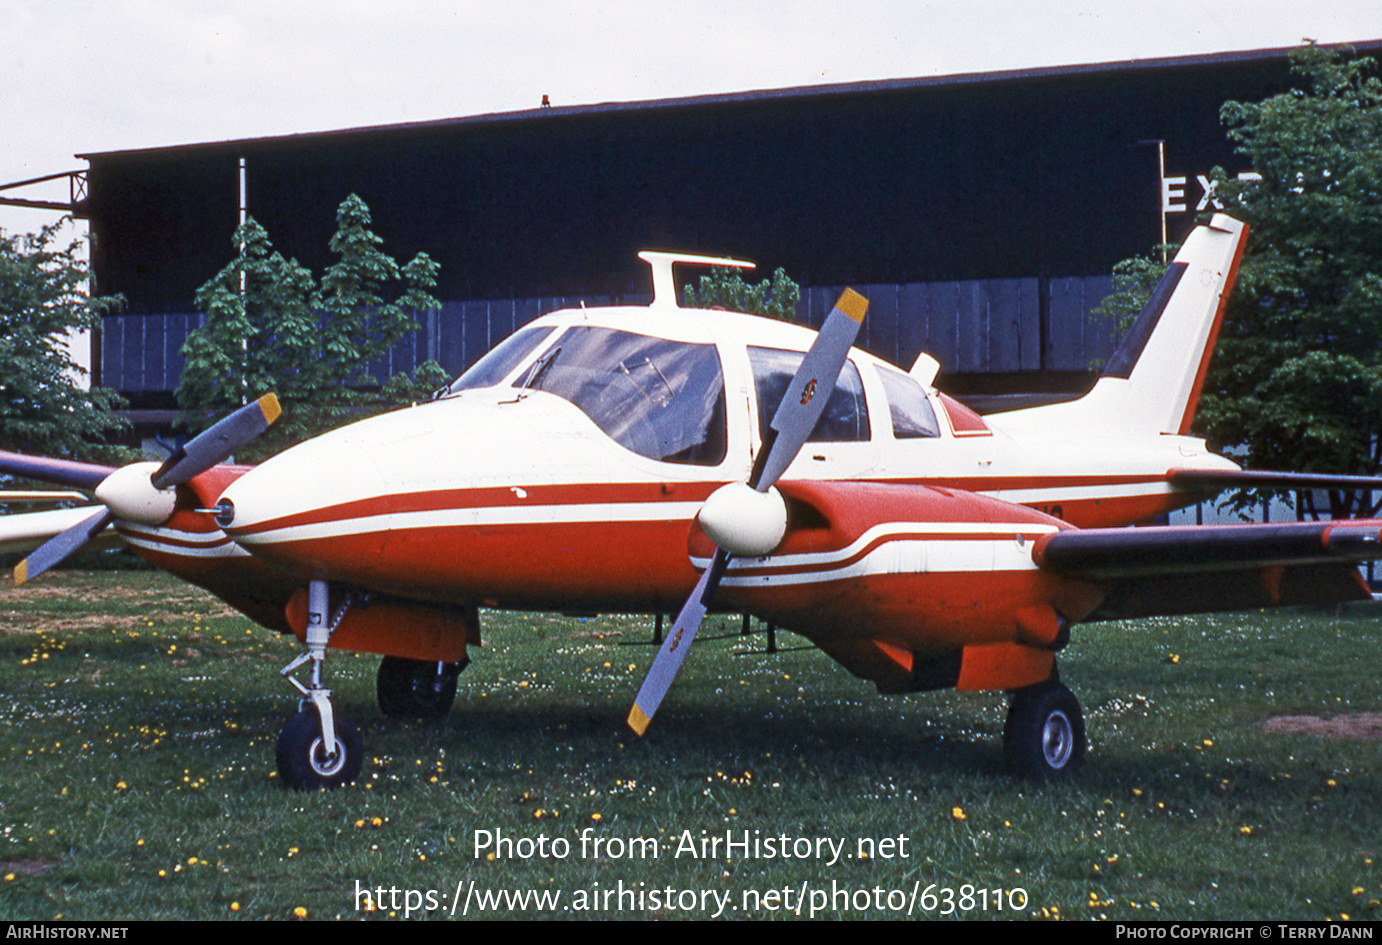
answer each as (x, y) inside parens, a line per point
(911, 412)
(845, 418)
(662, 399)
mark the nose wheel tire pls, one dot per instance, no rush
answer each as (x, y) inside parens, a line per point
(1044, 738)
(416, 689)
(304, 764)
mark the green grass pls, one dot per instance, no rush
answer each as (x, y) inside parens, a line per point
(138, 720)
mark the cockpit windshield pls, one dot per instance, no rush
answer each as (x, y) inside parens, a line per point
(661, 399)
(503, 358)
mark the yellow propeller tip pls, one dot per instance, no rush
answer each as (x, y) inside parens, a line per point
(638, 721)
(269, 404)
(21, 572)
(853, 304)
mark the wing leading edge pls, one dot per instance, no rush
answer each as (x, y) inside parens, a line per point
(1194, 569)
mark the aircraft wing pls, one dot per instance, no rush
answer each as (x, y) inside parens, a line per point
(1168, 570)
(1218, 479)
(23, 532)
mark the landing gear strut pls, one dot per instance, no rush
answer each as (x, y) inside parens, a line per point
(1044, 737)
(417, 689)
(318, 748)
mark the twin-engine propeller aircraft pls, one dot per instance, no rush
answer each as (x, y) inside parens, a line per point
(630, 459)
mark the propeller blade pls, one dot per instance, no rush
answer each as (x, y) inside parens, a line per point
(130, 491)
(64, 472)
(676, 645)
(810, 390)
(218, 441)
(61, 545)
(796, 417)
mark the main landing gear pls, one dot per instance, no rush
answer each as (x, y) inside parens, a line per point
(417, 689)
(318, 748)
(1044, 737)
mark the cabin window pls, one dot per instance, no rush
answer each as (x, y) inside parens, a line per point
(846, 416)
(911, 412)
(500, 361)
(661, 399)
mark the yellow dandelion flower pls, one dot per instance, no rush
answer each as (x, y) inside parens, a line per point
(235, 907)
(300, 912)
(121, 785)
(595, 817)
(1245, 830)
(958, 813)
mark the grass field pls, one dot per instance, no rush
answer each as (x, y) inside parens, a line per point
(138, 720)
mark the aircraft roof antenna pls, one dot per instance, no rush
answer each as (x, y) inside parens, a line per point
(664, 289)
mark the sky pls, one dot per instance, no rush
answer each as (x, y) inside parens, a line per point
(83, 77)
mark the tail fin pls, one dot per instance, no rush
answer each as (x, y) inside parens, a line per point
(1152, 384)
(1162, 362)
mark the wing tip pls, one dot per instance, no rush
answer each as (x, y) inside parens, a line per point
(21, 572)
(853, 304)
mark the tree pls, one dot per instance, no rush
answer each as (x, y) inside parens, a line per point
(271, 326)
(45, 407)
(1296, 382)
(726, 288)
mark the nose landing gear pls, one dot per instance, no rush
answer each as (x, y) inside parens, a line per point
(318, 748)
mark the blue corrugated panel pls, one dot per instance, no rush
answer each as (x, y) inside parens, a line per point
(132, 356)
(174, 363)
(1100, 333)
(1004, 325)
(942, 324)
(912, 317)
(1029, 330)
(972, 320)
(476, 317)
(451, 340)
(112, 341)
(879, 334)
(524, 311)
(155, 342)
(1065, 345)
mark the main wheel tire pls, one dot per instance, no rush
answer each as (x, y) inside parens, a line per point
(1044, 737)
(415, 689)
(303, 762)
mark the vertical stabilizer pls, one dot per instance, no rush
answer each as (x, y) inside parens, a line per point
(1159, 368)
(1152, 383)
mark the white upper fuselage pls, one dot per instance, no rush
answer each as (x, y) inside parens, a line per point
(511, 439)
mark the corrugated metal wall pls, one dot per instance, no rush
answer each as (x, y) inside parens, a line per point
(970, 327)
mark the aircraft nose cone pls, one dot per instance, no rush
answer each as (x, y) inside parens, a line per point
(298, 493)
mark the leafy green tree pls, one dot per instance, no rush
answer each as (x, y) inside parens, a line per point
(45, 407)
(725, 287)
(1296, 382)
(271, 326)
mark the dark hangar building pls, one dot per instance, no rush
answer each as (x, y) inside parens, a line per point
(981, 214)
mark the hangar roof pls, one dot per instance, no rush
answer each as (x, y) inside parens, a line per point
(797, 93)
